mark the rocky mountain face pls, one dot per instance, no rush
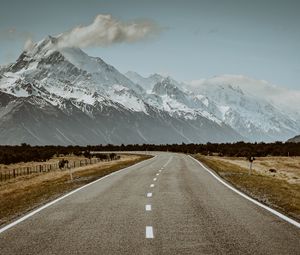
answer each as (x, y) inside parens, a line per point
(62, 96)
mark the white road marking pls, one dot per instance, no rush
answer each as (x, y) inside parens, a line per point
(159, 170)
(149, 194)
(167, 162)
(148, 208)
(152, 186)
(154, 179)
(157, 174)
(280, 215)
(149, 232)
(29, 215)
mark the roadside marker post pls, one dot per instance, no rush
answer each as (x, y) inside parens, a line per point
(251, 159)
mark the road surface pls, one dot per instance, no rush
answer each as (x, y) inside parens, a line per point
(165, 205)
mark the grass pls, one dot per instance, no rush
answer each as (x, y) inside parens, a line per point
(23, 194)
(278, 193)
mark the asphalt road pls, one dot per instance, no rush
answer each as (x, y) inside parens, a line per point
(184, 211)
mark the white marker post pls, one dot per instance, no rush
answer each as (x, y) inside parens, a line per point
(251, 159)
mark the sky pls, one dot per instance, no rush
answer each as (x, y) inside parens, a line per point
(196, 39)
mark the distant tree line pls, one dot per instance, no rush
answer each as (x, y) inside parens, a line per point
(239, 149)
(27, 153)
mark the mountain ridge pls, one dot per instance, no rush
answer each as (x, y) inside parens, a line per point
(102, 105)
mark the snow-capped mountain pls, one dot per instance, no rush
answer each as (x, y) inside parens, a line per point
(53, 95)
(254, 108)
(148, 82)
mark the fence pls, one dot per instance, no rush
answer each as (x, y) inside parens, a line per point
(43, 168)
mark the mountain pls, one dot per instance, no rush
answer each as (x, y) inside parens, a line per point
(295, 139)
(149, 82)
(253, 108)
(53, 95)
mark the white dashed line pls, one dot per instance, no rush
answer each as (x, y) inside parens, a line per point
(155, 179)
(167, 162)
(159, 170)
(152, 186)
(149, 232)
(149, 194)
(31, 214)
(148, 208)
(157, 174)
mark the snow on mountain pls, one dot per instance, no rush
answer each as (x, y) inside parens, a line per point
(148, 82)
(85, 100)
(251, 107)
(66, 73)
(180, 103)
(53, 95)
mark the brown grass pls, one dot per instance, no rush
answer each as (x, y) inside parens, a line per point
(276, 192)
(287, 168)
(23, 194)
(53, 160)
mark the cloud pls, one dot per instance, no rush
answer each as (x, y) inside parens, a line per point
(106, 30)
(29, 44)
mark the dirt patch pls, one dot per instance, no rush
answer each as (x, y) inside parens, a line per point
(269, 188)
(23, 194)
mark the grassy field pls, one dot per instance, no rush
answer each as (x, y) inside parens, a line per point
(23, 194)
(280, 190)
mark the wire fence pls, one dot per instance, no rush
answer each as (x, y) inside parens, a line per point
(8, 174)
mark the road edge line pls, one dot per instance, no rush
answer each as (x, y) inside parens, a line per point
(273, 211)
(25, 217)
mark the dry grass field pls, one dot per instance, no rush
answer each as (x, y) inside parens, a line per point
(22, 194)
(286, 168)
(280, 189)
(54, 160)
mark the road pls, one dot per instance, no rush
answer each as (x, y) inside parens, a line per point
(166, 205)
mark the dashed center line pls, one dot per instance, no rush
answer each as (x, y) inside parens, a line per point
(149, 232)
(155, 179)
(149, 194)
(152, 186)
(157, 174)
(159, 170)
(167, 162)
(148, 208)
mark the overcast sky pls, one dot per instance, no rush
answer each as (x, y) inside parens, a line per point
(198, 39)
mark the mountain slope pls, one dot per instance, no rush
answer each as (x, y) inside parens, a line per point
(63, 96)
(253, 115)
(295, 139)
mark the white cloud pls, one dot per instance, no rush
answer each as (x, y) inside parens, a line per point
(106, 30)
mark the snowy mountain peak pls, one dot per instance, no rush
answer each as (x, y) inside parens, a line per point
(165, 87)
(68, 82)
